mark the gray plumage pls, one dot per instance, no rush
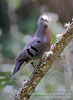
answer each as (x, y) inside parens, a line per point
(35, 48)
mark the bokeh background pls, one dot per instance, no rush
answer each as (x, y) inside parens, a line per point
(18, 22)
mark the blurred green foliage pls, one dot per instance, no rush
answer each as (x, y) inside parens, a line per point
(5, 79)
(51, 88)
(27, 26)
(7, 48)
(52, 38)
(16, 3)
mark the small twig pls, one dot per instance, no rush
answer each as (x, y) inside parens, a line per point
(29, 86)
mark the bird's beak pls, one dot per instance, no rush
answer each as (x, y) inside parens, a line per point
(47, 21)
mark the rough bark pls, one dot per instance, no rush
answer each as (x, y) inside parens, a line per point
(29, 86)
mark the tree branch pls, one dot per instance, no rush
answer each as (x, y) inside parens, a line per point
(29, 86)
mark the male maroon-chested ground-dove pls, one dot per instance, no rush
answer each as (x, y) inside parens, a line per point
(39, 44)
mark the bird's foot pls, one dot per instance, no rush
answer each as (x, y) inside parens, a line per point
(35, 68)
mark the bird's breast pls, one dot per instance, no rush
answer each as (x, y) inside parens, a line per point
(47, 35)
(47, 39)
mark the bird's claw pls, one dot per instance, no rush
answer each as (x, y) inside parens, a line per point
(35, 68)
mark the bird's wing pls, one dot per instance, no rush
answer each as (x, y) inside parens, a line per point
(31, 50)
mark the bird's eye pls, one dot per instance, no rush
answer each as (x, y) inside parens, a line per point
(39, 41)
(41, 18)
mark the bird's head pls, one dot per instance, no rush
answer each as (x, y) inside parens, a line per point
(43, 20)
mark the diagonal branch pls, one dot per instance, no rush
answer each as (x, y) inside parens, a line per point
(29, 86)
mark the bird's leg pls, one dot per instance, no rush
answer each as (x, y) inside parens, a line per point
(34, 67)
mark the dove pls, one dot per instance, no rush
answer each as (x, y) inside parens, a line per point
(38, 45)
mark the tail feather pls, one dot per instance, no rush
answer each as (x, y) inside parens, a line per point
(17, 67)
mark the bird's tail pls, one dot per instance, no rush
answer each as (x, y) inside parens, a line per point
(16, 68)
